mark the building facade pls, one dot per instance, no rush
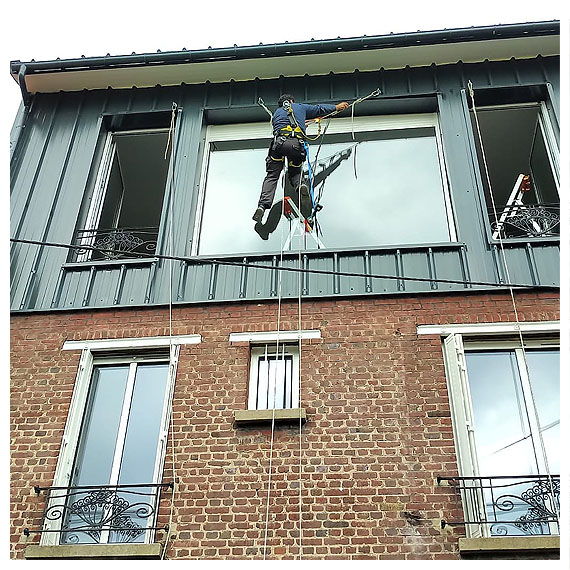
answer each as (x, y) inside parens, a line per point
(182, 389)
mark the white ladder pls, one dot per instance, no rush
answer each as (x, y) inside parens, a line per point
(299, 225)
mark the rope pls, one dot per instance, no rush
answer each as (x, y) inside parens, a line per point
(299, 324)
(170, 242)
(511, 291)
(270, 468)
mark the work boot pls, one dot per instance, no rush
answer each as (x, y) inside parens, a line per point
(258, 216)
(306, 205)
(262, 231)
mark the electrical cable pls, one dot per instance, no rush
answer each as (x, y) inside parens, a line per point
(201, 261)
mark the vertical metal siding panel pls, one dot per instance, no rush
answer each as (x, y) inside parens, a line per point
(259, 283)
(40, 126)
(415, 264)
(103, 288)
(319, 284)
(73, 288)
(183, 186)
(132, 293)
(447, 266)
(547, 264)
(196, 283)
(352, 264)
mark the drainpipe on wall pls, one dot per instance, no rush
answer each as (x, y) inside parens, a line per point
(26, 97)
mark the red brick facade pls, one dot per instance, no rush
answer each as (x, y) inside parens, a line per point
(378, 431)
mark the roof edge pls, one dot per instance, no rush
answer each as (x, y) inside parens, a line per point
(446, 36)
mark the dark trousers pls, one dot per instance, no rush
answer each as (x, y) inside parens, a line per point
(281, 147)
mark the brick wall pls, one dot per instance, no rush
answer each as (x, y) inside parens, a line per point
(378, 431)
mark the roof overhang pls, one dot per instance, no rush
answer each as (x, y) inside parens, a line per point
(295, 59)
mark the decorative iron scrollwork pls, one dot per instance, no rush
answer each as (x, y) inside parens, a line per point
(116, 243)
(485, 503)
(533, 220)
(114, 514)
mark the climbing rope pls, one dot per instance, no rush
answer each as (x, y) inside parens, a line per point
(172, 356)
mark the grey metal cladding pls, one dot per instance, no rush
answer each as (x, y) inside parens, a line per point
(51, 162)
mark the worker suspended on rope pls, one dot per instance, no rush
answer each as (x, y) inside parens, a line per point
(288, 136)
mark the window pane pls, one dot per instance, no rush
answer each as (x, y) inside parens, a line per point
(395, 197)
(544, 372)
(88, 509)
(371, 194)
(502, 431)
(100, 426)
(143, 429)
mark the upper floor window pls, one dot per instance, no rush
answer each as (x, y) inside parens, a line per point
(380, 180)
(124, 209)
(521, 154)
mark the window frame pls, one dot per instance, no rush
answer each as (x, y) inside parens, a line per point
(101, 187)
(101, 352)
(263, 131)
(457, 340)
(546, 126)
(279, 352)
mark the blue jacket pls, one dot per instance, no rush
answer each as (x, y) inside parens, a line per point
(302, 112)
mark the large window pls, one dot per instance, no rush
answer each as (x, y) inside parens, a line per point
(506, 413)
(521, 154)
(380, 181)
(124, 209)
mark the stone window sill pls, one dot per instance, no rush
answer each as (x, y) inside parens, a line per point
(243, 417)
(90, 551)
(505, 544)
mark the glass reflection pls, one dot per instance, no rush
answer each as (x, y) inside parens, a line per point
(385, 190)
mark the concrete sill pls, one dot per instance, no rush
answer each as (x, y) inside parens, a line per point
(89, 551)
(243, 417)
(512, 544)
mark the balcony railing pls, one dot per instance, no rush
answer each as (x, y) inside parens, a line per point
(507, 505)
(114, 243)
(528, 220)
(102, 514)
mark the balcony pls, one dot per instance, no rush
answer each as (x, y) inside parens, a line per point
(522, 505)
(104, 514)
(114, 243)
(525, 221)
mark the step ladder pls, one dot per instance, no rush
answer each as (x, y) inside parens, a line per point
(511, 208)
(298, 224)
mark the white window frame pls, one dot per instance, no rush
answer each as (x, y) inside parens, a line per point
(459, 339)
(273, 384)
(101, 185)
(263, 131)
(98, 352)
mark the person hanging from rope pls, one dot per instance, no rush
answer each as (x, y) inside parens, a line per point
(288, 135)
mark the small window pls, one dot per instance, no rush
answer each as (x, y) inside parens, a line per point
(274, 377)
(124, 210)
(521, 154)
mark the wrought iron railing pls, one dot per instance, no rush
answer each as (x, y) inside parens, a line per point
(507, 505)
(528, 220)
(114, 243)
(102, 514)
